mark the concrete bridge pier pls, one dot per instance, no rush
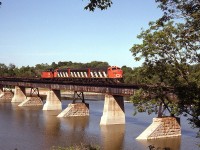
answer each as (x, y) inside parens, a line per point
(53, 101)
(1, 90)
(113, 112)
(163, 127)
(76, 108)
(5, 94)
(33, 100)
(20, 94)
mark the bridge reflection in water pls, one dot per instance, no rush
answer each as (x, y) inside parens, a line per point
(112, 136)
(33, 129)
(76, 129)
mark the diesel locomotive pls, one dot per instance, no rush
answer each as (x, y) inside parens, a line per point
(112, 73)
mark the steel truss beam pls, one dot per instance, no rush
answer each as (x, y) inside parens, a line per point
(34, 91)
(78, 95)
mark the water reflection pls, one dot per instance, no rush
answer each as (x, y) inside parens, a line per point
(51, 123)
(21, 126)
(31, 128)
(112, 136)
(77, 123)
(163, 143)
(75, 129)
(25, 116)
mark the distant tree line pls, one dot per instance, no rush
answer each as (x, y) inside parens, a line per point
(136, 75)
(12, 70)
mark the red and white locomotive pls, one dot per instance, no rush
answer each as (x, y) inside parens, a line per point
(112, 72)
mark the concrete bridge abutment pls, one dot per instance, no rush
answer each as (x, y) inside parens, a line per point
(53, 101)
(19, 94)
(32, 101)
(5, 94)
(113, 111)
(1, 91)
(75, 109)
(164, 127)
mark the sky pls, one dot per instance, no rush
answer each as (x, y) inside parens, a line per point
(46, 31)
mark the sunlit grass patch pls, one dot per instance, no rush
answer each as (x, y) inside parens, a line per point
(77, 147)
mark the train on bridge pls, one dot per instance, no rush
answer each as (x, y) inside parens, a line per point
(113, 73)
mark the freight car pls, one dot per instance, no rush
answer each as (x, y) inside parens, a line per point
(113, 73)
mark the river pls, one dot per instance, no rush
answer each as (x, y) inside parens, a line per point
(31, 128)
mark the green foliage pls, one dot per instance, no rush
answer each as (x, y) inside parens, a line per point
(26, 71)
(171, 59)
(96, 64)
(171, 54)
(101, 4)
(189, 10)
(127, 74)
(195, 74)
(3, 69)
(154, 100)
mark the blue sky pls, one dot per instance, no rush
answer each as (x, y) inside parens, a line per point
(46, 31)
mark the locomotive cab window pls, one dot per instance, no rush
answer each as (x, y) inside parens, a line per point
(115, 68)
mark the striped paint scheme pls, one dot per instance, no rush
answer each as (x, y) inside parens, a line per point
(82, 74)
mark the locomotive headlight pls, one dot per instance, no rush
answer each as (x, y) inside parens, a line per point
(117, 75)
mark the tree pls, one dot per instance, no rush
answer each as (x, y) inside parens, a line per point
(54, 65)
(169, 50)
(3, 70)
(189, 10)
(97, 64)
(11, 70)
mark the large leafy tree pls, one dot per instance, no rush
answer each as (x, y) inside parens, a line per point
(169, 50)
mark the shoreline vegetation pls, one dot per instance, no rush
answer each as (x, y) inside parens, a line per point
(77, 147)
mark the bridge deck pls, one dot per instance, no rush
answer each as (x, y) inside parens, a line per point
(114, 89)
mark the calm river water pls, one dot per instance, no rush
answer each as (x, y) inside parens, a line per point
(31, 128)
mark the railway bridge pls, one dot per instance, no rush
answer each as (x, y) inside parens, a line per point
(113, 106)
(113, 111)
